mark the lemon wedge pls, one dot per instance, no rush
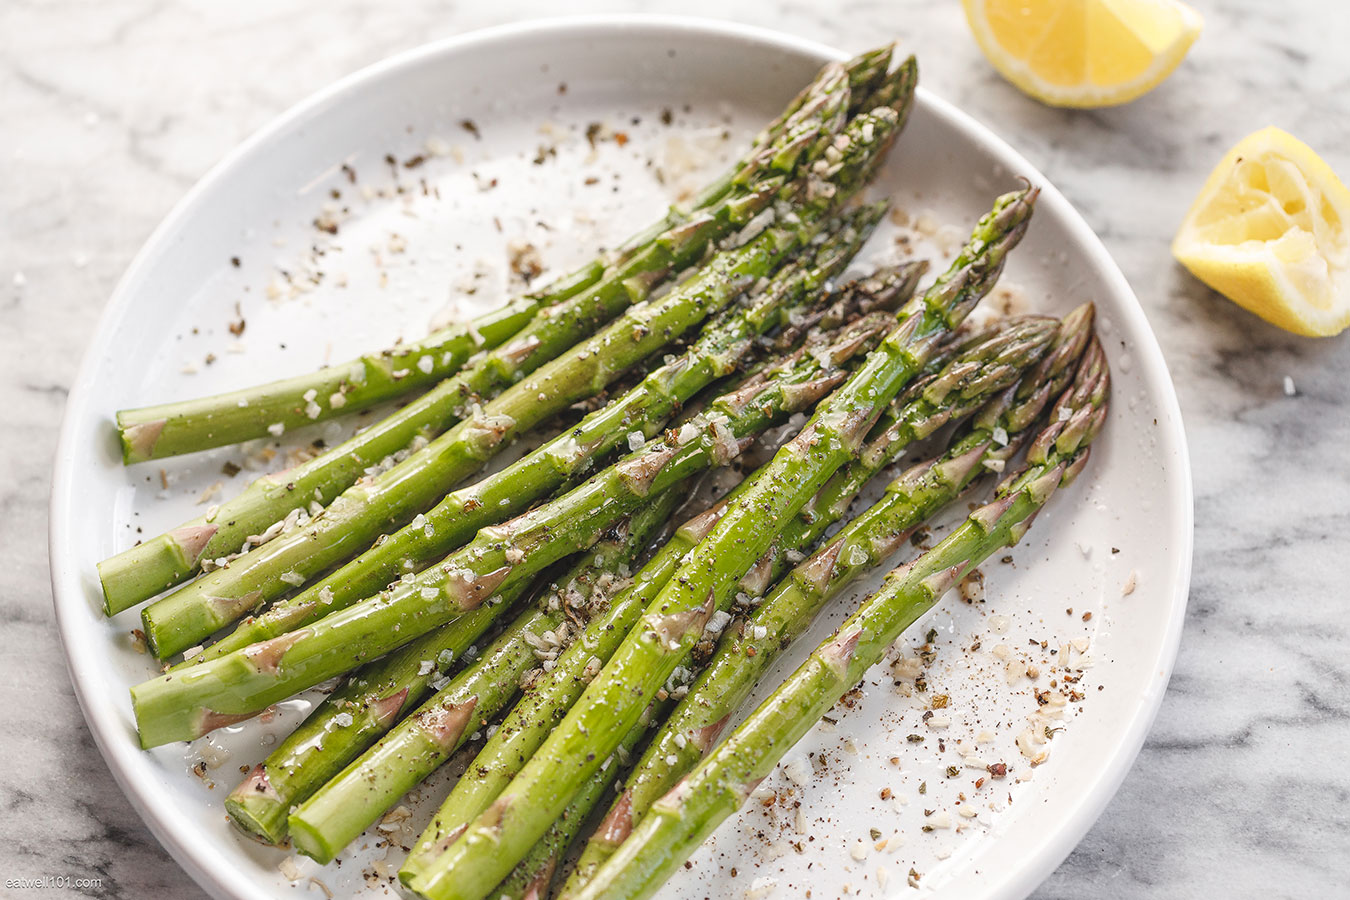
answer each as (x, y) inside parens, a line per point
(1083, 53)
(1271, 232)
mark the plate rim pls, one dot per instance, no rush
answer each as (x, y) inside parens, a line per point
(124, 757)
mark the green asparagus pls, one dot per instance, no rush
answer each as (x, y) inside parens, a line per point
(170, 429)
(532, 877)
(1001, 355)
(705, 582)
(528, 723)
(681, 819)
(185, 704)
(363, 707)
(346, 805)
(171, 558)
(745, 653)
(355, 519)
(345, 388)
(792, 292)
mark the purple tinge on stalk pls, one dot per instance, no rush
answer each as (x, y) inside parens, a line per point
(639, 472)
(845, 348)
(671, 628)
(448, 838)
(820, 567)
(520, 349)
(1041, 488)
(618, 822)
(941, 582)
(538, 887)
(739, 401)
(853, 426)
(446, 722)
(469, 590)
(757, 580)
(987, 516)
(1075, 467)
(800, 396)
(704, 738)
(486, 432)
(883, 545)
(838, 653)
(266, 656)
(701, 525)
(141, 439)
(192, 539)
(493, 816)
(914, 476)
(384, 710)
(208, 720)
(257, 784)
(958, 468)
(230, 608)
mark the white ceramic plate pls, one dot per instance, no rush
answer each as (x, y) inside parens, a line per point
(1127, 520)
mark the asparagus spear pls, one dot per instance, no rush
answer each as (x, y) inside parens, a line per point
(745, 654)
(363, 707)
(706, 581)
(997, 358)
(548, 699)
(533, 875)
(358, 794)
(698, 718)
(185, 704)
(171, 558)
(368, 509)
(791, 292)
(681, 819)
(170, 429)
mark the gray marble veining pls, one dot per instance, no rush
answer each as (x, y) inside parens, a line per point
(110, 111)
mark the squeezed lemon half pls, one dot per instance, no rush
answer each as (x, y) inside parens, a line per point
(1271, 232)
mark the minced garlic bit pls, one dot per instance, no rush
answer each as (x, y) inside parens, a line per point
(797, 771)
(289, 869)
(939, 819)
(761, 887)
(211, 492)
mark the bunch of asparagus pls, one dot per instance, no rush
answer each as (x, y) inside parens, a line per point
(603, 634)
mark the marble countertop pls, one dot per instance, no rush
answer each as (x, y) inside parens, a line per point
(111, 111)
